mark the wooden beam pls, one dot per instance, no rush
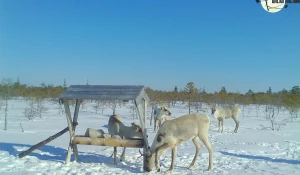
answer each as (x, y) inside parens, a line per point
(71, 131)
(142, 117)
(75, 150)
(136, 143)
(44, 142)
(145, 149)
(145, 112)
(140, 113)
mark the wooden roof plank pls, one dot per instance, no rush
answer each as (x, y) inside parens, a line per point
(105, 92)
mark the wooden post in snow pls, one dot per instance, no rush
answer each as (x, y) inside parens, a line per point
(44, 142)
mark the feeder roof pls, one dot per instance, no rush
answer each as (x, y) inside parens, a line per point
(105, 92)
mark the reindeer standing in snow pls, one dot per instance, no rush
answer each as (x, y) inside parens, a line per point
(116, 127)
(173, 132)
(222, 113)
(160, 113)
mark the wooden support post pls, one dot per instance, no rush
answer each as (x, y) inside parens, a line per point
(145, 149)
(75, 150)
(70, 125)
(145, 113)
(142, 116)
(115, 155)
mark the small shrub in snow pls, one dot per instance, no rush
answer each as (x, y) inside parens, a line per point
(34, 108)
(273, 117)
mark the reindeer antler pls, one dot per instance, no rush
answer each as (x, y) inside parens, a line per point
(140, 153)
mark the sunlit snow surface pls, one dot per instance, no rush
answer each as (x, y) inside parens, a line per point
(252, 150)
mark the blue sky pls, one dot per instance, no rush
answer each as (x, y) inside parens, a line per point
(156, 43)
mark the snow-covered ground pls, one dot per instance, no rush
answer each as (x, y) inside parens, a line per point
(252, 150)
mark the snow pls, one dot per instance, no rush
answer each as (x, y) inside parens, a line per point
(252, 150)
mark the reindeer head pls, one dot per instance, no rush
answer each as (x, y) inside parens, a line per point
(161, 110)
(166, 111)
(136, 127)
(150, 157)
(150, 161)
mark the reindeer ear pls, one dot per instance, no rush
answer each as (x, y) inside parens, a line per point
(160, 136)
(149, 154)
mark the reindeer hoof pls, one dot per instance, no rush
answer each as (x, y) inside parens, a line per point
(169, 171)
(191, 167)
(158, 170)
(209, 169)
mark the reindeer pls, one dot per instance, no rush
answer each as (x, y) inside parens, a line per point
(116, 127)
(160, 113)
(174, 132)
(222, 113)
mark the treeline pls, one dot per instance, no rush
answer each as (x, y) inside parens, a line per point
(191, 94)
(16, 89)
(284, 98)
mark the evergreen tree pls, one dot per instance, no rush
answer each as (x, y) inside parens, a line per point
(65, 84)
(191, 91)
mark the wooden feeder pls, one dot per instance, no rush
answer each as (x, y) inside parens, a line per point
(104, 92)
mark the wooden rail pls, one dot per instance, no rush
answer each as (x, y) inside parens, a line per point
(133, 143)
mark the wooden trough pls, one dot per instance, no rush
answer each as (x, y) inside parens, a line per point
(104, 92)
(83, 140)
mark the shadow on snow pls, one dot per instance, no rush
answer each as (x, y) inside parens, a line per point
(294, 162)
(52, 153)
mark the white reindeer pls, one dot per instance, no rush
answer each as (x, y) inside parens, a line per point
(116, 127)
(160, 113)
(222, 113)
(173, 132)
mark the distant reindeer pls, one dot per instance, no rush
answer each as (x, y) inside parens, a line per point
(116, 127)
(160, 113)
(174, 132)
(222, 113)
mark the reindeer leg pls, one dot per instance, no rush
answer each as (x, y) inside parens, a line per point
(174, 151)
(237, 123)
(112, 155)
(222, 125)
(219, 125)
(208, 146)
(157, 155)
(123, 155)
(154, 125)
(198, 147)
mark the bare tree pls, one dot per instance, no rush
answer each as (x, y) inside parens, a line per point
(61, 110)
(97, 106)
(40, 107)
(35, 108)
(112, 105)
(30, 110)
(103, 105)
(5, 94)
(257, 106)
(133, 111)
(271, 115)
(293, 112)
